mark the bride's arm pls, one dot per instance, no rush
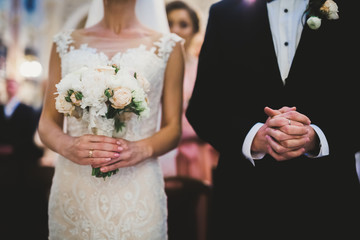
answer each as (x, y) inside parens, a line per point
(170, 132)
(51, 131)
(169, 135)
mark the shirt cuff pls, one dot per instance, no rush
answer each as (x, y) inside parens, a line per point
(246, 147)
(324, 146)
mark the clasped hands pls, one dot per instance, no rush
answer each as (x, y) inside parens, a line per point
(105, 152)
(286, 134)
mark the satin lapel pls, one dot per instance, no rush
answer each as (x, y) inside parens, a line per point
(310, 40)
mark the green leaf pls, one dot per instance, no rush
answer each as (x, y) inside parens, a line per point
(68, 99)
(97, 173)
(78, 95)
(116, 68)
(109, 93)
(119, 125)
(111, 112)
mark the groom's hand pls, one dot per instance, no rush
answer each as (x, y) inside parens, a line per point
(288, 133)
(260, 142)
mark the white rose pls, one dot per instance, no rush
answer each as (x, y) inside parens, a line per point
(121, 98)
(145, 113)
(143, 82)
(63, 106)
(106, 69)
(330, 8)
(139, 95)
(314, 22)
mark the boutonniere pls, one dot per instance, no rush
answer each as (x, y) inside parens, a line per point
(317, 10)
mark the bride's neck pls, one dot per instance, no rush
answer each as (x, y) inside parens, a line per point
(119, 15)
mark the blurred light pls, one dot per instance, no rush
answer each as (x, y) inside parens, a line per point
(30, 69)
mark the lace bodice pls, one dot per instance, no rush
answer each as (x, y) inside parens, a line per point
(130, 204)
(152, 65)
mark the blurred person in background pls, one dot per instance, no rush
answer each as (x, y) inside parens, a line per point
(195, 158)
(19, 160)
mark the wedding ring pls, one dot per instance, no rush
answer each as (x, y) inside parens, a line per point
(91, 153)
(289, 121)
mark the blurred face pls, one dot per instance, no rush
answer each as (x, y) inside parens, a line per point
(11, 87)
(180, 23)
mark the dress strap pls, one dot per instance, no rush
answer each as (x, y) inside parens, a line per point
(166, 45)
(62, 40)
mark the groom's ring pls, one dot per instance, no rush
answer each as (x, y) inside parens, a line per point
(91, 153)
(289, 121)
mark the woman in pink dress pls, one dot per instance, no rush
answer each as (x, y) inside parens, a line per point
(194, 157)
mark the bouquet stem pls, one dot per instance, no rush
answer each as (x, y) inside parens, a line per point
(97, 173)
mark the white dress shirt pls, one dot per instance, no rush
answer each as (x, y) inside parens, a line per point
(286, 23)
(11, 106)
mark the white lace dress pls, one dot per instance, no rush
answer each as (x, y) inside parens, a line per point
(132, 203)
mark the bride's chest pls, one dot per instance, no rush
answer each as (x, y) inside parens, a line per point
(140, 59)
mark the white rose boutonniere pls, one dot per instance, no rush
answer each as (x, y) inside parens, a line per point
(330, 10)
(318, 11)
(314, 22)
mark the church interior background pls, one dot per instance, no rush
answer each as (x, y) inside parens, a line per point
(26, 31)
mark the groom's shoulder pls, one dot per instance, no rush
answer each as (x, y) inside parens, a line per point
(229, 7)
(224, 5)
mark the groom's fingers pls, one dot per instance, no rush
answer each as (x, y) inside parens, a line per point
(287, 133)
(278, 122)
(295, 116)
(288, 112)
(287, 109)
(281, 153)
(286, 156)
(273, 112)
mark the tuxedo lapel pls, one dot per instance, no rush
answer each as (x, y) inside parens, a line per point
(310, 44)
(300, 52)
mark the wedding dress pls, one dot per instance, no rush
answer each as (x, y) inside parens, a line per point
(132, 203)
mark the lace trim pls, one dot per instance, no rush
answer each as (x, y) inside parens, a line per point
(166, 45)
(63, 40)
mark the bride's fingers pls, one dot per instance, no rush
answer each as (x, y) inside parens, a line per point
(98, 162)
(94, 153)
(104, 147)
(101, 138)
(116, 165)
(123, 143)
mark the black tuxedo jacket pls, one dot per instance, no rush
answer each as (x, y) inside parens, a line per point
(18, 131)
(238, 76)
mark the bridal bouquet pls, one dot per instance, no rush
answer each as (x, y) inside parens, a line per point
(105, 97)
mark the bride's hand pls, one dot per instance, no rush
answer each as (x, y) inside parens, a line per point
(92, 149)
(132, 154)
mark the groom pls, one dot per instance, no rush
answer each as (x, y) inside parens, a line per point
(275, 95)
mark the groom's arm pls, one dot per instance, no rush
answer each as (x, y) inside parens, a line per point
(214, 110)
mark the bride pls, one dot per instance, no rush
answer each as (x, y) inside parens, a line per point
(130, 204)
